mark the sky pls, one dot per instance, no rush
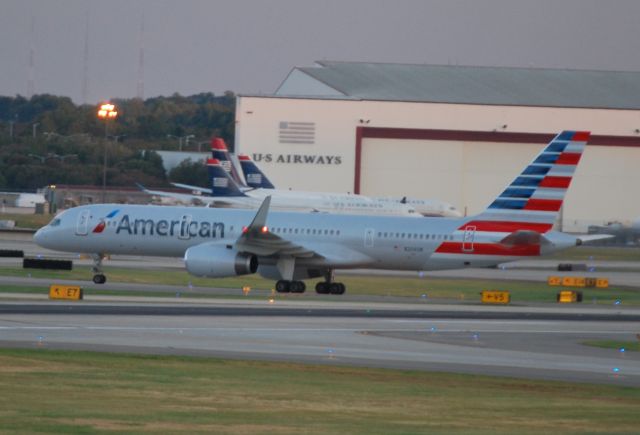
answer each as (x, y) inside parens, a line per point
(249, 46)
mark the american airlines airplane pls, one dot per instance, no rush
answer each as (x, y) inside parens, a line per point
(290, 247)
(427, 207)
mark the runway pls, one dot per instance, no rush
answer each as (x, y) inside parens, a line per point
(532, 341)
(464, 339)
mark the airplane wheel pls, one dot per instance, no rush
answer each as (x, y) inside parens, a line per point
(335, 288)
(298, 287)
(99, 279)
(322, 288)
(343, 288)
(283, 286)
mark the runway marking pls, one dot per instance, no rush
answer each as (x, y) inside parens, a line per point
(368, 330)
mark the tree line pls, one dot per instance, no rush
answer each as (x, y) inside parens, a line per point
(48, 139)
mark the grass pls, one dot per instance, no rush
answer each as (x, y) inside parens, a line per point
(84, 392)
(431, 288)
(598, 253)
(633, 346)
(33, 221)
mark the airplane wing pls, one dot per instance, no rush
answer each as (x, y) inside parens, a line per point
(257, 239)
(192, 188)
(173, 195)
(206, 190)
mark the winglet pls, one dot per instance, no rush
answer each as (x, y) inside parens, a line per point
(260, 220)
(141, 187)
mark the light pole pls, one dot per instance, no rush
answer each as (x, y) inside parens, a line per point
(180, 139)
(107, 111)
(35, 129)
(186, 139)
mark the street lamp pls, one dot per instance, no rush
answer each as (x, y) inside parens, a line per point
(180, 139)
(186, 139)
(107, 111)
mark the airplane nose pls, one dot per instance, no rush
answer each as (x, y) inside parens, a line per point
(39, 237)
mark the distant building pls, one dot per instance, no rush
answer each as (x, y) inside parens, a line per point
(455, 133)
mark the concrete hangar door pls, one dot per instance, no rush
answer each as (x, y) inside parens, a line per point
(411, 167)
(467, 174)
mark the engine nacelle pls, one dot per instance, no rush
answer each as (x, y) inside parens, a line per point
(215, 261)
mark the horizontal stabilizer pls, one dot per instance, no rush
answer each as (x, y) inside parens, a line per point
(523, 238)
(585, 239)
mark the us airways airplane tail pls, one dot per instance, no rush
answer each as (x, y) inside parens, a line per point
(220, 152)
(254, 176)
(220, 180)
(290, 247)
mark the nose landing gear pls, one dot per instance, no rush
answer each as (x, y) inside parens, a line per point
(98, 276)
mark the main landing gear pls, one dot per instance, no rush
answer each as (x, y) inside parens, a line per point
(284, 286)
(98, 276)
(329, 287)
(322, 288)
(334, 288)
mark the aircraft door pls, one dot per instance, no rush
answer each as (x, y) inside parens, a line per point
(467, 239)
(82, 224)
(369, 234)
(185, 224)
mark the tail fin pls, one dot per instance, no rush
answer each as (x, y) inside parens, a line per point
(254, 176)
(533, 200)
(220, 181)
(220, 151)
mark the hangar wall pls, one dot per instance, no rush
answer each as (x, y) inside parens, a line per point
(466, 173)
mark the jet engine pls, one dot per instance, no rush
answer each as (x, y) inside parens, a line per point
(216, 261)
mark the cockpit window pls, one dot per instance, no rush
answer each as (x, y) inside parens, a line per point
(55, 222)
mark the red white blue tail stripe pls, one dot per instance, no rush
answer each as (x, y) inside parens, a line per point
(531, 203)
(220, 181)
(254, 176)
(220, 152)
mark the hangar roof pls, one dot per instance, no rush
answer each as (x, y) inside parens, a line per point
(465, 85)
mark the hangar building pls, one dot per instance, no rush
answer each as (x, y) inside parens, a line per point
(455, 133)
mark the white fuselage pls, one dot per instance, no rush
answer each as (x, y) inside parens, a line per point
(341, 241)
(293, 200)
